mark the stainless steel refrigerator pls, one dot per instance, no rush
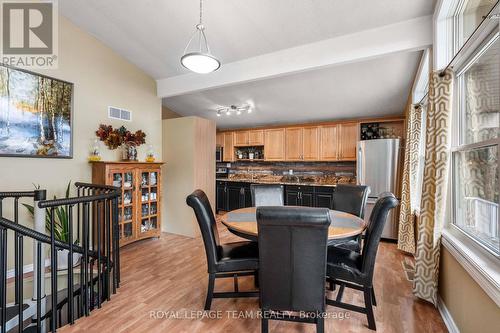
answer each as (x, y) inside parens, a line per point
(378, 167)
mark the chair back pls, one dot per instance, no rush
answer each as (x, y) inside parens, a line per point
(267, 195)
(351, 199)
(378, 218)
(198, 200)
(292, 257)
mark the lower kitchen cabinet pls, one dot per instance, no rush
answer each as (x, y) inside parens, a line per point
(221, 195)
(299, 195)
(236, 195)
(323, 197)
(232, 195)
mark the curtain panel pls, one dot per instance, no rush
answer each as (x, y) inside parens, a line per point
(410, 189)
(434, 187)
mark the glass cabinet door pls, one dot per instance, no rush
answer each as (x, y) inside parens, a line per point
(149, 204)
(125, 181)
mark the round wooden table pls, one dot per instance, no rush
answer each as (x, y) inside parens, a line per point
(243, 222)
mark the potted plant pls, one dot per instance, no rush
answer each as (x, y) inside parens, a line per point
(61, 230)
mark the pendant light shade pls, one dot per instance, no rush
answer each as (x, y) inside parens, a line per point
(199, 60)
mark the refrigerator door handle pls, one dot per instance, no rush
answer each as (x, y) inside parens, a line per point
(359, 171)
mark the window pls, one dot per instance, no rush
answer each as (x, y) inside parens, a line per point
(475, 155)
(469, 15)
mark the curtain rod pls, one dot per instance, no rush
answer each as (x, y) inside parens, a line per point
(488, 16)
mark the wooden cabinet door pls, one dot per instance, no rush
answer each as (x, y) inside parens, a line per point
(241, 138)
(328, 143)
(310, 144)
(274, 144)
(221, 197)
(219, 139)
(348, 138)
(256, 137)
(294, 144)
(228, 147)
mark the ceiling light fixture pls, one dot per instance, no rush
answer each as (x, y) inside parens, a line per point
(238, 110)
(201, 60)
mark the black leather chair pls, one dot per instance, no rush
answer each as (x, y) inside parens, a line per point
(223, 260)
(355, 270)
(350, 199)
(292, 261)
(267, 195)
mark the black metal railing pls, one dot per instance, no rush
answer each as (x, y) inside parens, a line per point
(92, 234)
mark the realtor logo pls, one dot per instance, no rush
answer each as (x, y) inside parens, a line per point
(29, 33)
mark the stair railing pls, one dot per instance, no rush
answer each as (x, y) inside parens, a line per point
(93, 214)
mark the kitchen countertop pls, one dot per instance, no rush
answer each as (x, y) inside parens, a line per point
(257, 181)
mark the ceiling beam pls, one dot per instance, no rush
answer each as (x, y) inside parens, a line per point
(411, 35)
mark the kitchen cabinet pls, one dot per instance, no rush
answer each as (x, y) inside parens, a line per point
(311, 144)
(228, 147)
(274, 144)
(256, 137)
(329, 143)
(323, 196)
(249, 138)
(240, 138)
(348, 138)
(219, 139)
(232, 195)
(221, 196)
(299, 195)
(294, 143)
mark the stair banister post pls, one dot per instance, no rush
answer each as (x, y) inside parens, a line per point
(39, 215)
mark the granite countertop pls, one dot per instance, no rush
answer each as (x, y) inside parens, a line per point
(281, 181)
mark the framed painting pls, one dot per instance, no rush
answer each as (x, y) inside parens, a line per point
(36, 115)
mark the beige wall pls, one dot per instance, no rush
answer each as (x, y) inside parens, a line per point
(166, 113)
(190, 165)
(471, 308)
(101, 78)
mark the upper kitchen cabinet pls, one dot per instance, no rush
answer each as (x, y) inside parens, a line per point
(311, 143)
(329, 143)
(249, 138)
(219, 139)
(348, 137)
(274, 144)
(228, 147)
(256, 137)
(294, 143)
(240, 138)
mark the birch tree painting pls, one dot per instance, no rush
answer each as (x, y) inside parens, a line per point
(35, 114)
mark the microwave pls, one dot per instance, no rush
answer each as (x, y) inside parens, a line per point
(219, 154)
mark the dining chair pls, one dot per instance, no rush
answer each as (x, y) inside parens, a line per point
(267, 195)
(292, 263)
(223, 260)
(350, 199)
(352, 269)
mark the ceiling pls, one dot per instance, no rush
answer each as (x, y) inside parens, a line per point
(153, 35)
(378, 87)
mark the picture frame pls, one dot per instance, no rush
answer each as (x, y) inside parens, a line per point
(36, 115)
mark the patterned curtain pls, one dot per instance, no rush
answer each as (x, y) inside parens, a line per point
(435, 185)
(410, 188)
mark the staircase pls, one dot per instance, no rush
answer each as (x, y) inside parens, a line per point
(58, 295)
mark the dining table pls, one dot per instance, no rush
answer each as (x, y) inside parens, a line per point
(243, 222)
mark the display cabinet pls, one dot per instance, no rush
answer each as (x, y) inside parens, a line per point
(139, 212)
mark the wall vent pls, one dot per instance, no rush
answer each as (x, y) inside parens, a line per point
(117, 113)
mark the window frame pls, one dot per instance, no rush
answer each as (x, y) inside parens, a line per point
(458, 141)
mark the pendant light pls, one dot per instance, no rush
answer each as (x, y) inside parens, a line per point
(201, 60)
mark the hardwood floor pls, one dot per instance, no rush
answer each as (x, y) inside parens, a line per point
(167, 276)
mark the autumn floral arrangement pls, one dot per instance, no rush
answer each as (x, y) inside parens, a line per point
(115, 137)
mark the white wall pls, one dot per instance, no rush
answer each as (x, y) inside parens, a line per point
(101, 78)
